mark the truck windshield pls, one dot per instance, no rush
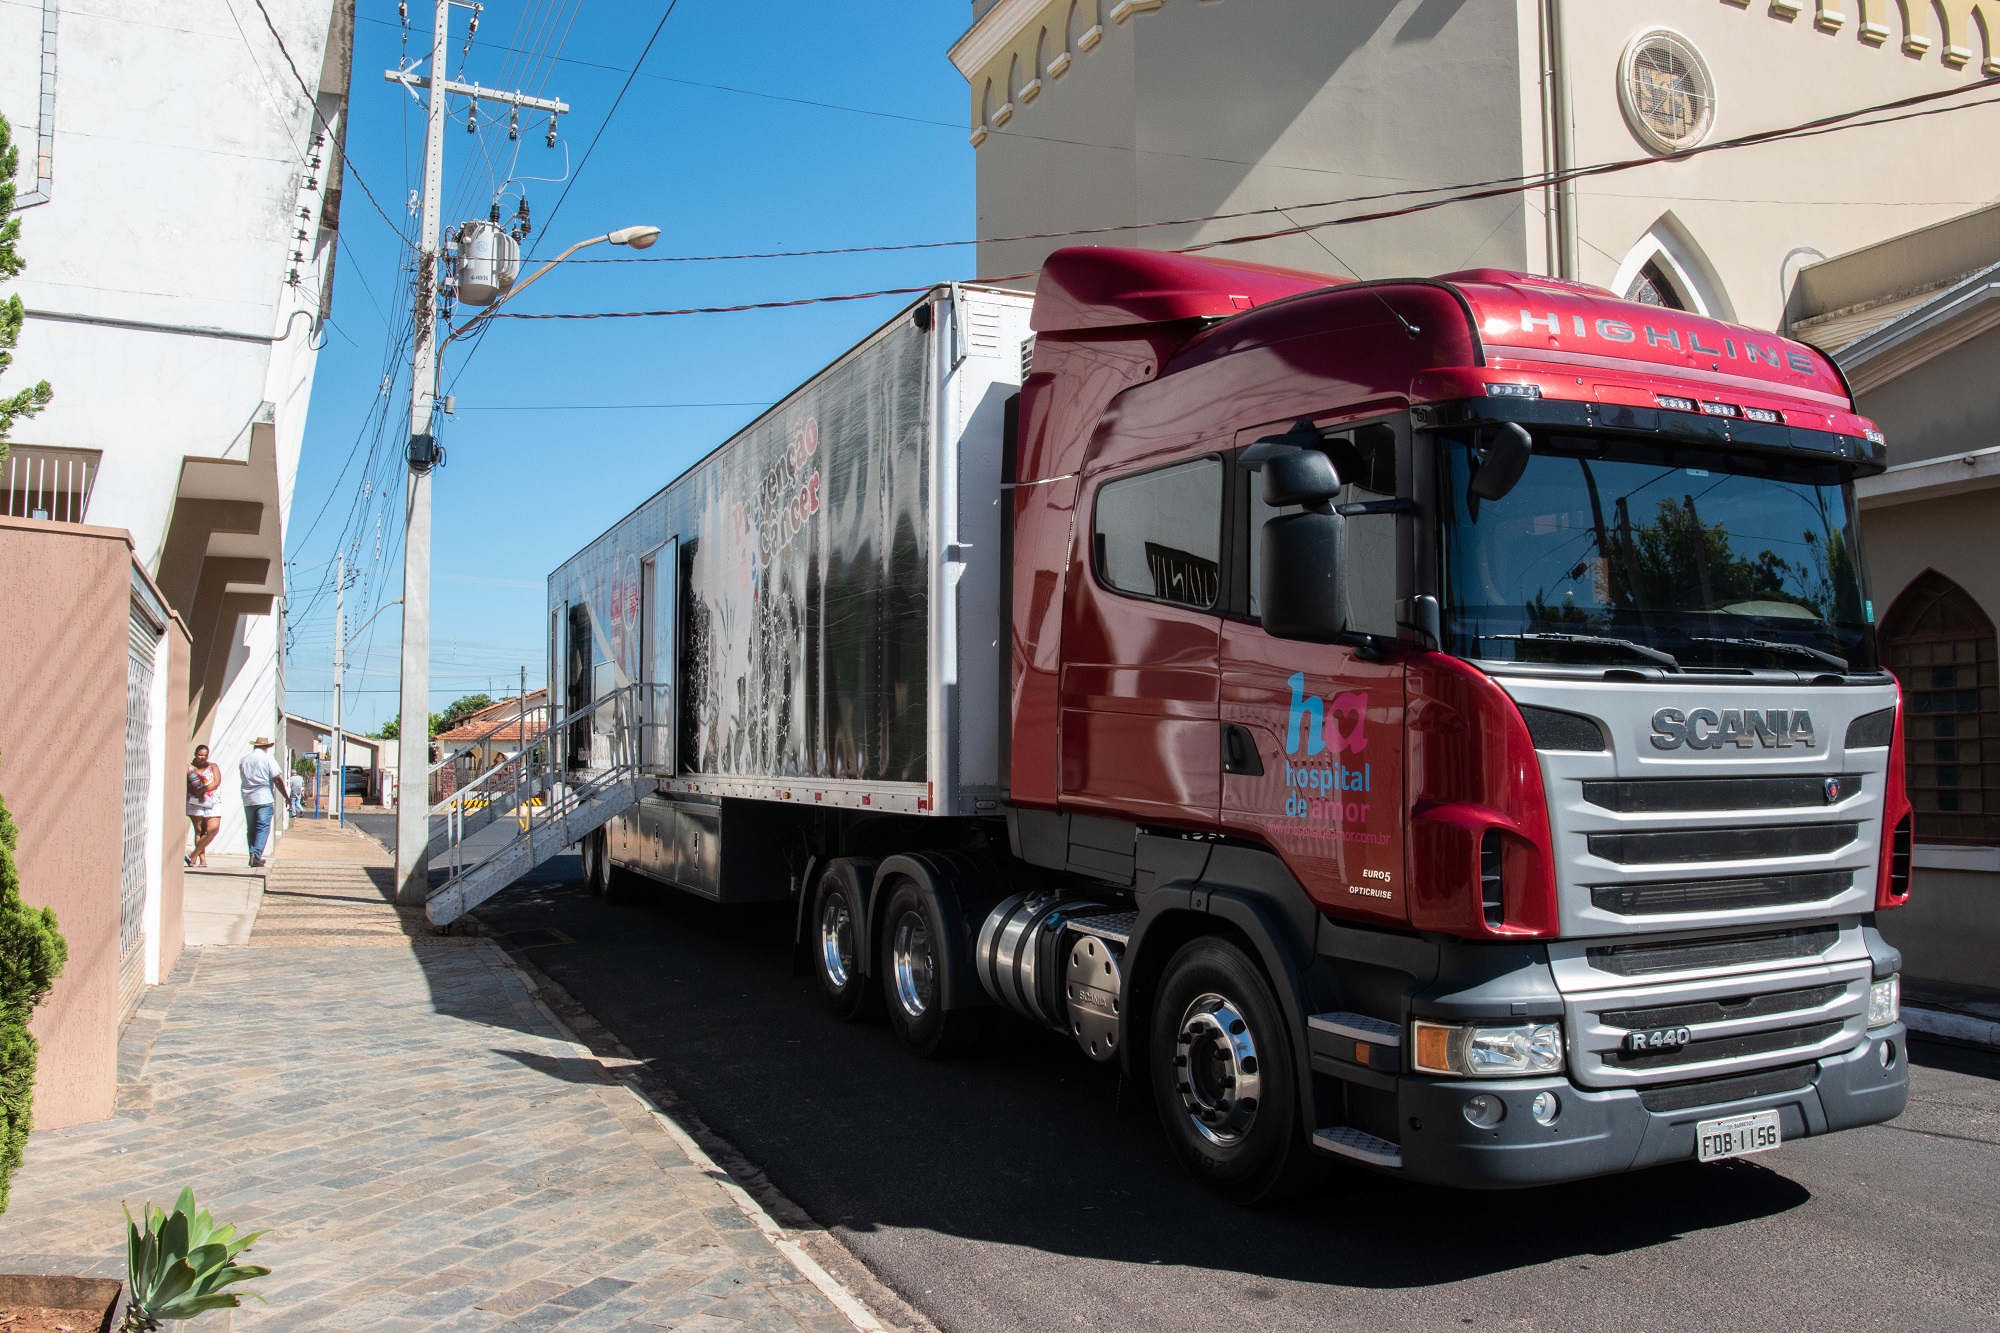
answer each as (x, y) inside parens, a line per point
(1614, 552)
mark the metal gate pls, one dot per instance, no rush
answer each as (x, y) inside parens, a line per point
(144, 645)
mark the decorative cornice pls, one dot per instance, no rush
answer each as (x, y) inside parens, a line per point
(995, 32)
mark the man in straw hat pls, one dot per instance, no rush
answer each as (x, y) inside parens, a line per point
(263, 786)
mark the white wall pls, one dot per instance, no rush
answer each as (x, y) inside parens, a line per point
(180, 166)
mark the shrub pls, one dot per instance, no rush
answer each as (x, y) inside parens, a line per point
(32, 954)
(177, 1264)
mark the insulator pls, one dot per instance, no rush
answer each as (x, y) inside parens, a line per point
(472, 119)
(552, 131)
(403, 10)
(514, 123)
(493, 213)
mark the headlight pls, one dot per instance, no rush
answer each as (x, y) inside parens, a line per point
(1885, 1001)
(1483, 1052)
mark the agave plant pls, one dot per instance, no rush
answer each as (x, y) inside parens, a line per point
(179, 1262)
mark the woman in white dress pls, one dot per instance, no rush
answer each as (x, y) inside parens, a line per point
(204, 804)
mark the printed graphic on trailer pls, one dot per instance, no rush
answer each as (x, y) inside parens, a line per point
(1330, 791)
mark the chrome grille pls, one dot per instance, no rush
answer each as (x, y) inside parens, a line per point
(1721, 895)
(1750, 1021)
(1692, 846)
(1635, 960)
(1683, 795)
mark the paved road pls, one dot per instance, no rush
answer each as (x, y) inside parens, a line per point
(1007, 1191)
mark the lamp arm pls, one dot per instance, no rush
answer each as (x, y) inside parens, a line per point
(522, 286)
(371, 620)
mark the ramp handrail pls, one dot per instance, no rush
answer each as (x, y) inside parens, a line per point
(540, 769)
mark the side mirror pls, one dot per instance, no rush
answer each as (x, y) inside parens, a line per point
(1297, 471)
(1303, 591)
(1502, 461)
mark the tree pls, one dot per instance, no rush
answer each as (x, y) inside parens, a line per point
(32, 954)
(34, 398)
(459, 710)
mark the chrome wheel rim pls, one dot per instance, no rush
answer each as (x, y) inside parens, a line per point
(914, 965)
(836, 942)
(1216, 1070)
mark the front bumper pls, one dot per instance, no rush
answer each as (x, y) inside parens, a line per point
(1603, 1132)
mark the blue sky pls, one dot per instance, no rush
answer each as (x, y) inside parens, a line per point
(545, 450)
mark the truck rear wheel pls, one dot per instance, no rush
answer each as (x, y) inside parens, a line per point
(595, 851)
(1223, 1077)
(838, 926)
(913, 962)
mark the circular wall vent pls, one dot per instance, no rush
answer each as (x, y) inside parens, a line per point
(1667, 91)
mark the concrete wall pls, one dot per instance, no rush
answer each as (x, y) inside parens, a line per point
(62, 764)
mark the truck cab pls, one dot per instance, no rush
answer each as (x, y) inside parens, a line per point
(1462, 696)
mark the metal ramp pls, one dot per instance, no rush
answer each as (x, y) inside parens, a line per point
(554, 805)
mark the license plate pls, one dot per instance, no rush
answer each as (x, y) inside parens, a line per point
(1737, 1136)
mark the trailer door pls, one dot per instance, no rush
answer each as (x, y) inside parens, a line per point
(577, 691)
(658, 662)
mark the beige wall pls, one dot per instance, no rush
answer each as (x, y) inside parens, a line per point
(1196, 107)
(1202, 108)
(1950, 405)
(62, 738)
(1748, 209)
(1949, 931)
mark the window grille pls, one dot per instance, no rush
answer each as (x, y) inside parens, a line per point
(51, 484)
(1941, 646)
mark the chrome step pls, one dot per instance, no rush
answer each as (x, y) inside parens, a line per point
(1357, 1027)
(1113, 926)
(1359, 1144)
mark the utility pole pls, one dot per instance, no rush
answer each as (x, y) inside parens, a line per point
(413, 824)
(339, 679)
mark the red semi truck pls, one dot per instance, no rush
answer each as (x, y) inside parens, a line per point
(1434, 723)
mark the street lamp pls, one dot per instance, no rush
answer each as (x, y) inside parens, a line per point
(413, 822)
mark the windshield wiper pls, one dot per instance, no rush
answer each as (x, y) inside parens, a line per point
(1776, 646)
(1668, 660)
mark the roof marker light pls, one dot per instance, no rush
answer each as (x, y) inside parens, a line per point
(1765, 415)
(1513, 391)
(1718, 409)
(1673, 403)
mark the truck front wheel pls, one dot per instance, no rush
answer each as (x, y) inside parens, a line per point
(1223, 1077)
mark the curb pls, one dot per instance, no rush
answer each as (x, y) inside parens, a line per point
(622, 1069)
(1953, 1027)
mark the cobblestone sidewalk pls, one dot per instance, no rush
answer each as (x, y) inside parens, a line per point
(427, 1148)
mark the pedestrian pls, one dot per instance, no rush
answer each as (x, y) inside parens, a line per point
(204, 804)
(295, 789)
(263, 785)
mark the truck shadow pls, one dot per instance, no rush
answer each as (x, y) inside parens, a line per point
(1023, 1143)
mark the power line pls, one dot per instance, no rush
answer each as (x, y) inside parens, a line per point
(601, 125)
(1506, 186)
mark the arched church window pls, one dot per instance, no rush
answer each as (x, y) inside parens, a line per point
(1653, 286)
(1941, 646)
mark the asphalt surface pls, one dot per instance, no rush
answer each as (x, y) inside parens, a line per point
(1007, 1191)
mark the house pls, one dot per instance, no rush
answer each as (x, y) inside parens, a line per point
(487, 739)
